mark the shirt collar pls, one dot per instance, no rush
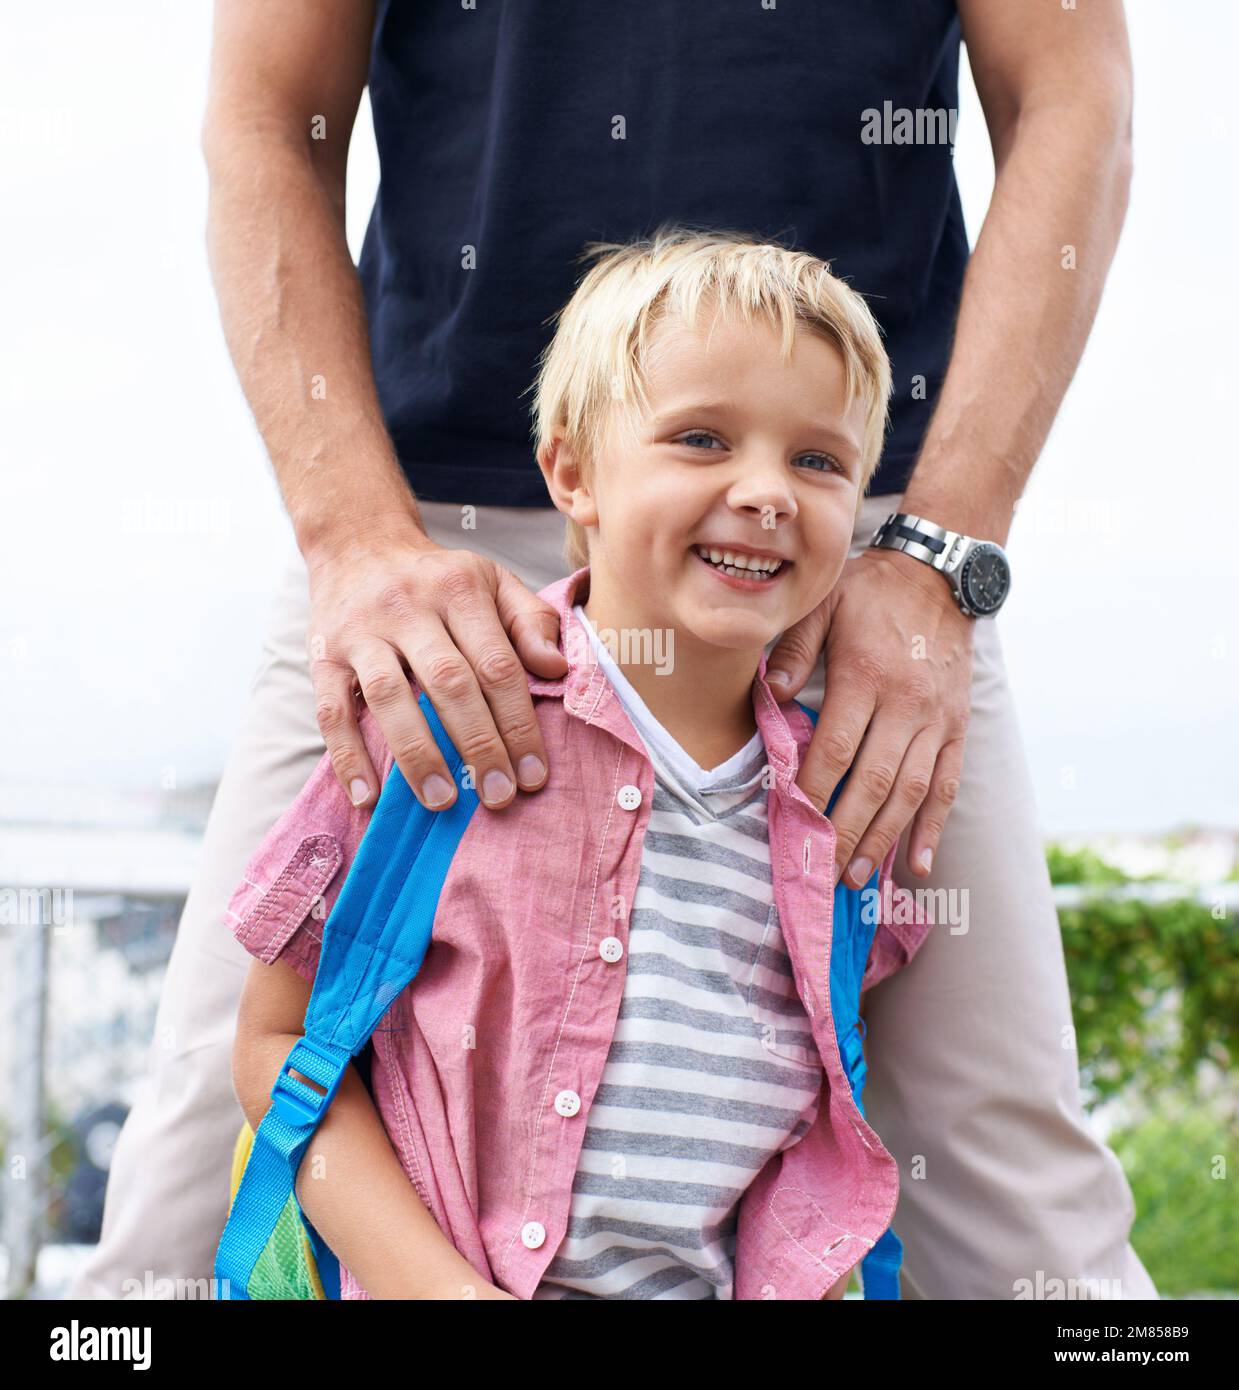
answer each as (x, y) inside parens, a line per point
(587, 693)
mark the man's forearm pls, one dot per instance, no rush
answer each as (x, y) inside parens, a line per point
(294, 319)
(1059, 200)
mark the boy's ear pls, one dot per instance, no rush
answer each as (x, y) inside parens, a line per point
(561, 472)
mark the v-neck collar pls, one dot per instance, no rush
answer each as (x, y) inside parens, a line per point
(733, 774)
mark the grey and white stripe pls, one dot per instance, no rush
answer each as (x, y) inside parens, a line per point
(712, 1068)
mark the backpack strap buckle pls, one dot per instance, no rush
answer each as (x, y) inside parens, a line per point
(323, 1064)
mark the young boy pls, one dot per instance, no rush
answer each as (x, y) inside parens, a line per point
(617, 1072)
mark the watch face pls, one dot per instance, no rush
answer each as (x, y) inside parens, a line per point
(985, 579)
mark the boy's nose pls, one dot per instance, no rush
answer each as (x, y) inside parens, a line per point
(763, 489)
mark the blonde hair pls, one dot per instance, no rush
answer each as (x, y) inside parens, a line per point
(598, 354)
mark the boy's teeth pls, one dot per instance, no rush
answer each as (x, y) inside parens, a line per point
(737, 560)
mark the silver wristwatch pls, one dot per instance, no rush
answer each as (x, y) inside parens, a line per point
(977, 571)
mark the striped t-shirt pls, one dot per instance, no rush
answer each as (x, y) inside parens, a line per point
(712, 1068)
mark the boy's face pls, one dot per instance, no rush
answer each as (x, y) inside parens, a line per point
(738, 451)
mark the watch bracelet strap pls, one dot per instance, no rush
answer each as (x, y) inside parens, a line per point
(924, 540)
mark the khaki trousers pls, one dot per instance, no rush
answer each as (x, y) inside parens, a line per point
(970, 1084)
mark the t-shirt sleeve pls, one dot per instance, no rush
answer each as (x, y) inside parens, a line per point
(295, 875)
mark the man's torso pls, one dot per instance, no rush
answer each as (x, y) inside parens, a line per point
(512, 133)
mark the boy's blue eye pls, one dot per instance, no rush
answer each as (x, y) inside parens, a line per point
(828, 459)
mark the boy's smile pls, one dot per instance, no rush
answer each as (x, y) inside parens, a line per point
(743, 568)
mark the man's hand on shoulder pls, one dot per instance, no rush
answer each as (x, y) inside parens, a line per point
(386, 603)
(896, 708)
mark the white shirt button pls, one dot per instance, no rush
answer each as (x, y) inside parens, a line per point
(533, 1233)
(611, 948)
(567, 1103)
(629, 797)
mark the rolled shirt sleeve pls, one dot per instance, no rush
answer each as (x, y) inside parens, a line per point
(295, 875)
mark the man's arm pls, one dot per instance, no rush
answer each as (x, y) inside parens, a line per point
(350, 1183)
(1056, 88)
(289, 296)
(286, 81)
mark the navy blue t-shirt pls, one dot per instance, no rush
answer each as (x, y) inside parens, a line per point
(496, 131)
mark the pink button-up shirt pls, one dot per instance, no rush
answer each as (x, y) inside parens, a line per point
(514, 1005)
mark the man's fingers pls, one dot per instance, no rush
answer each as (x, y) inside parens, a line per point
(391, 700)
(335, 709)
(927, 827)
(796, 654)
(846, 711)
(532, 625)
(446, 673)
(504, 684)
(873, 839)
(446, 615)
(870, 781)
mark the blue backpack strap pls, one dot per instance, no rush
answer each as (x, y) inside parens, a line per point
(374, 941)
(851, 942)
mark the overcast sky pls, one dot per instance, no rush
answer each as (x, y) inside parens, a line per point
(143, 533)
